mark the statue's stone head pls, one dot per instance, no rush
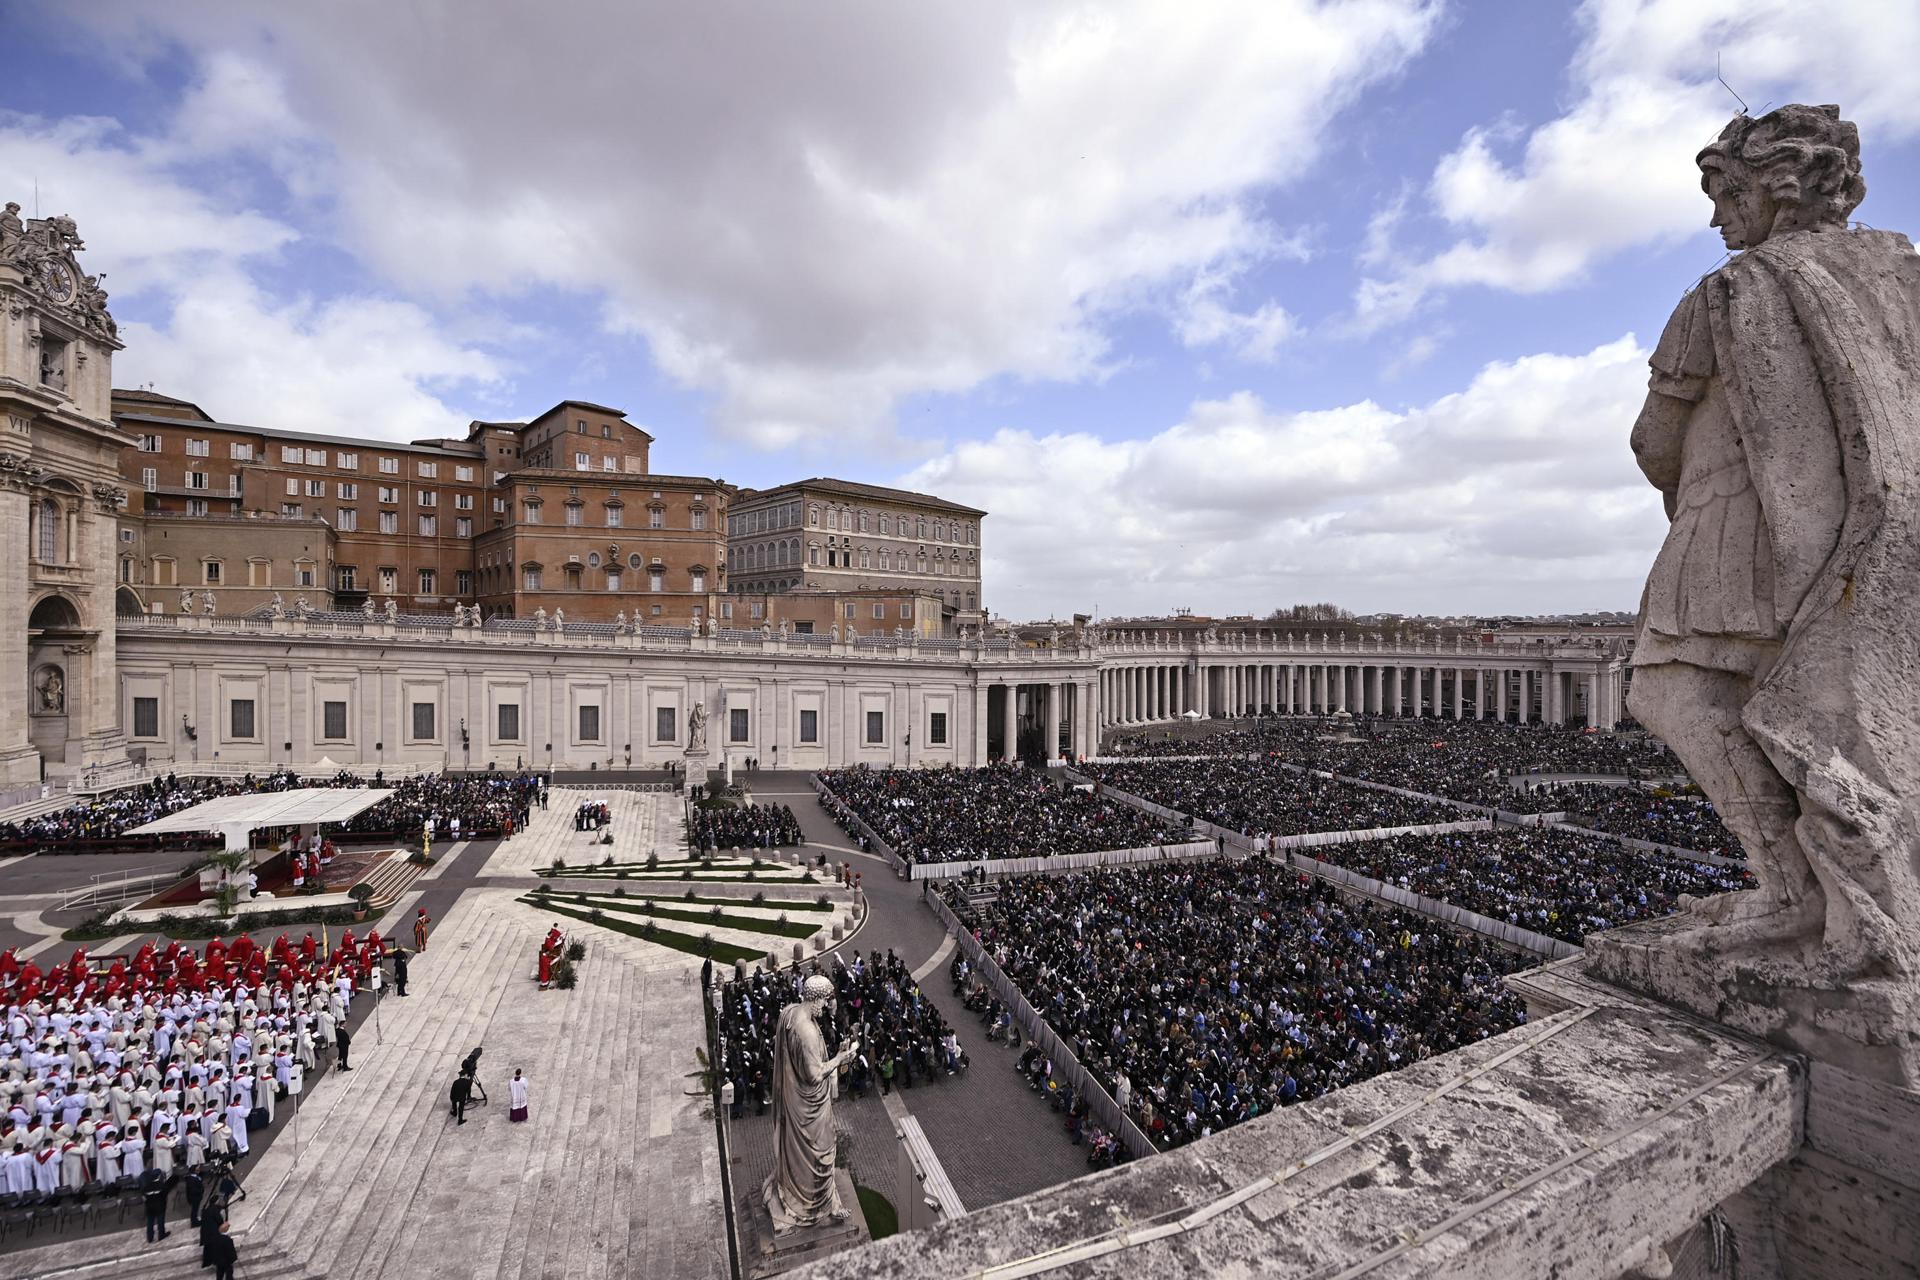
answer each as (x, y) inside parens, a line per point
(1794, 169)
(817, 990)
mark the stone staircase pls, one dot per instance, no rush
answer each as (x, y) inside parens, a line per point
(391, 879)
(615, 1175)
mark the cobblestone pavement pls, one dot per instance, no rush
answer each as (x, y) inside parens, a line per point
(996, 1138)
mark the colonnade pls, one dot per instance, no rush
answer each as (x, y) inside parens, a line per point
(1064, 712)
(1148, 692)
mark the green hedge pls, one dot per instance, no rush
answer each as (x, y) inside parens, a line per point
(725, 952)
(749, 924)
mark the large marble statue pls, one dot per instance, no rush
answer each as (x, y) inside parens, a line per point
(1779, 644)
(800, 1191)
(697, 728)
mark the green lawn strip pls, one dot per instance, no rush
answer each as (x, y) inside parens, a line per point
(726, 952)
(882, 1221)
(748, 924)
(661, 865)
(784, 904)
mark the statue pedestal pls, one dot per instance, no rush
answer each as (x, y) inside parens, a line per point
(766, 1253)
(694, 765)
(1869, 1028)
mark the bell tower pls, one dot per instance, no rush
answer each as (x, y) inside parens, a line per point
(60, 499)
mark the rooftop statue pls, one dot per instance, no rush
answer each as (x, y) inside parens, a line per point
(1779, 637)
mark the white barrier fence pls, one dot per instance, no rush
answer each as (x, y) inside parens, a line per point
(1063, 861)
(1066, 1064)
(1514, 935)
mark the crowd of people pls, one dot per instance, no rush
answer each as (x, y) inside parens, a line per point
(107, 818)
(1000, 811)
(903, 1038)
(1202, 994)
(457, 805)
(1564, 884)
(1680, 822)
(754, 826)
(165, 1068)
(1260, 797)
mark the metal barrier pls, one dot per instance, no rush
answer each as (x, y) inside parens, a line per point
(1100, 1104)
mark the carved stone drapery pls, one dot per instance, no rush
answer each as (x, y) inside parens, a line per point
(110, 497)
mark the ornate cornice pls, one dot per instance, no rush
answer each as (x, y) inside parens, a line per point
(17, 472)
(111, 497)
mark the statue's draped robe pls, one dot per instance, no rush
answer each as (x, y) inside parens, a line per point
(1813, 340)
(800, 1190)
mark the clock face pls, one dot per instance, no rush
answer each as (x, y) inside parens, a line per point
(58, 279)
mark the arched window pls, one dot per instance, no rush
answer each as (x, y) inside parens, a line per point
(49, 531)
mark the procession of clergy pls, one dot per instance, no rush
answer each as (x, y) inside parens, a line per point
(168, 1060)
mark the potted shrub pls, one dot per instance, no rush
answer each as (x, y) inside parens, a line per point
(361, 894)
(576, 951)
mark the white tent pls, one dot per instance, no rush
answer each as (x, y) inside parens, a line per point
(1189, 715)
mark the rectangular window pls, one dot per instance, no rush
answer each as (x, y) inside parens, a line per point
(149, 477)
(656, 581)
(499, 506)
(347, 461)
(427, 581)
(240, 451)
(196, 479)
(613, 517)
(390, 466)
(463, 581)
(754, 610)
(240, 718)
(809, 726)
(293, 486)
(880, 613)
(316, 457)
(316, 488)
(389, 522)
(259, 573)
(530, 579)
(726, 609)
(429, 526)
(199, 448)
(429, 470)
(581, 461)
(613, 579)
(699, 581)
(463, 526)
(389, 493)
(333, 716)
(423, 721)
(346, 577)
(289, 453)
(609, 463)
(656, 518)
(429, 497)
(464, 474)
(737, 724)
(508, 714)
(876, 727)
(149, 444)
(346, 520)
(664, 727)
(463, 502)
(292, 510)
(937, 729)
(573, 514)
(531, 512)
(233, 486)
(196, 506)
(389, 580)
(589, 724)
(348, 492)
(210, 573)
(146, 717)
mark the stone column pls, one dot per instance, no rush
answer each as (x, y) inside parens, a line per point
(979, 720)
(1010, 723)
(1593, 700)
(19, 762)
(1050, 728)
(1459, 693)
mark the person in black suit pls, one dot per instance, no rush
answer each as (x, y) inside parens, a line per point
(343, 1040)
(154, 1189)
(224, 1253)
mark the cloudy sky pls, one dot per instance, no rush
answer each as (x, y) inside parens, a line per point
(1212, 306)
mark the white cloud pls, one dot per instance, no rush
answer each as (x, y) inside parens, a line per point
(807, 217)
(363, 366)
(1518, 492)
(184, 252)
(1616, 169)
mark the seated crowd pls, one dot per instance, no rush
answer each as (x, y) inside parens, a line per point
(950, 815)
(465, 805)
(1258, 797)
(754, 826)
(1556, 882)
(1681, 822)
(1202, 994)
(109, 817)
(902, 1035)
(153, 1065)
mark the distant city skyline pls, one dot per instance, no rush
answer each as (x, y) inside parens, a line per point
(1208, 308)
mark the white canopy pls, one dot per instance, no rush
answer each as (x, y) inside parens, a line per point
(236, 817)
(1190, 715)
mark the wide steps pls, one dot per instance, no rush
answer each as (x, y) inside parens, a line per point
(391, 880)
